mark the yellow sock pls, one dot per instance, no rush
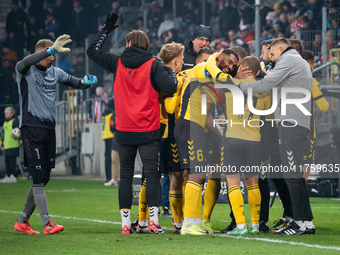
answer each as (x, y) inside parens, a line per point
(176, 197)
(198, 210)
(193, 193)
(183, 195)
(143, 204)
(211, 194)
(237, 203)
(254, 201)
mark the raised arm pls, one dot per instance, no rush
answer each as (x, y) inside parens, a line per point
(102, 58)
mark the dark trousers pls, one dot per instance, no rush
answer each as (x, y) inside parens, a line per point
(265, 198)
(149, 156)
(108, 159)
(165, 191)
(292, 140)
(10, 163)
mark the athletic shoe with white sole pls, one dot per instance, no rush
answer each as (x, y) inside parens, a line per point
(207, 225)
(230, 227)
(238, 232)
(194, 230)
(127, 230)
(253, 230)
(52, 228)
(25, 228)
(142, 230)
(155, 228)
(280, 224)
(292, 229)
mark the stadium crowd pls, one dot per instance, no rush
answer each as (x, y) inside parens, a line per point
(187, 48)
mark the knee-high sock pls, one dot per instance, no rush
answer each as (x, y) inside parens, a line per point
(41, 202)
(198, 210)
(28, 208)
(183, 195)
(176, 197)
(237, 203)
(143, 204)
(210, 197)
(193, 193)
(125, 214)
(254, 201)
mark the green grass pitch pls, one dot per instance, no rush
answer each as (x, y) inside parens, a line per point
(90, 214)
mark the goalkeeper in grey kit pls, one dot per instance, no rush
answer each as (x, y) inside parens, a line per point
(37, 82)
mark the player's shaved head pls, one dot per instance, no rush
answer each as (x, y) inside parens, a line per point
(280, 42)
(252, 63)
(43, 44)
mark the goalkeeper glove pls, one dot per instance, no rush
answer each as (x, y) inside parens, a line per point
(57, 47)
(89, 79)
(110, 23)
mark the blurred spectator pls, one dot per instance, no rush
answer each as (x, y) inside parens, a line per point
(229, 18)
(155, 14)
(317, 45)
(62, 11)
(306, 31)
(202, 6)
(182, 33)
(170, 36)
(251, 47)
(36, 8)
(78, 69)
(52, 26)
(8, 55)
(189, 9)
(99, 105)
(16, 21)
(246, 35)
(247, 14)
(189, 23)
(9, 88)
(286, 7)
(166, 25)
(139, 24)
(116, 33)
(232, 38)
(33, 27)
(63, 63)
(79, 24)
(330, 35)
(269, 19)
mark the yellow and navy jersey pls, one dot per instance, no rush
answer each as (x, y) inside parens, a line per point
(191, 95)
(246, 126)
(106, 126)
(169, 105)
(166, 119)
(172, 102)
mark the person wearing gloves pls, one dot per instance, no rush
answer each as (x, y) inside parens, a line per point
(139, 78)
(37, 83)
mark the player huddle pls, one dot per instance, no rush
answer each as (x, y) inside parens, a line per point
(188, 119)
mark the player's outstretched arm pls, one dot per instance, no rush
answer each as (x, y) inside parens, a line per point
(83, 83)
(95, 52)
(57, 47)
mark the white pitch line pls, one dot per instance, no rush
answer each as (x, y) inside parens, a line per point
(235, 237)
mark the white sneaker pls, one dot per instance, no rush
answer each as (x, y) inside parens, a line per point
(6, 179)
(115, 182)
(112, 182)
(12, 179)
